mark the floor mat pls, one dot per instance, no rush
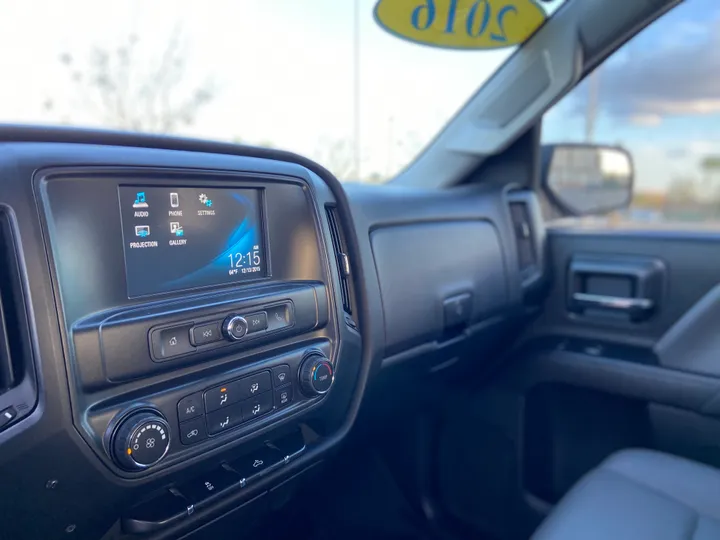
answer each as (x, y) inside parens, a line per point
(360, 500)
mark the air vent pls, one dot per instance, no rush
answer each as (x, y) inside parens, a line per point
(522, 224)
(343, 263)
(14, 338)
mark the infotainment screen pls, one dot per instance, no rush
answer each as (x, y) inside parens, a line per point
(182, 238)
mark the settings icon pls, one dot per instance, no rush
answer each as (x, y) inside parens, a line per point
(204, 199)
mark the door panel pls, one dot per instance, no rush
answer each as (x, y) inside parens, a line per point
(580, 386)
(691, 260)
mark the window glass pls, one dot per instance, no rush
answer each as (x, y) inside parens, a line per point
(658, 97)
(317, 77)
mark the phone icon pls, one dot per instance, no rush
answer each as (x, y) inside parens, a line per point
(174, 200)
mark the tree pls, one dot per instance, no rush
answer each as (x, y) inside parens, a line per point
(337, 156)
(129, 89)
(681, 191)
(710, 167)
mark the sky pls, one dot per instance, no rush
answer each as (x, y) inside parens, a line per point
(281, 70)
(281, 73)
(658, 96)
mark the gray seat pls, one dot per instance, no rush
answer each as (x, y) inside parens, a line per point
(638, 495)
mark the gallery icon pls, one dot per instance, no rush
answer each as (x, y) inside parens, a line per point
(142, 231)
(176, 229)
(174, 200)
(140, 201)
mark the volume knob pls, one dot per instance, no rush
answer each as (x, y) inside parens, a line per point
(235, 327)
(316, 375)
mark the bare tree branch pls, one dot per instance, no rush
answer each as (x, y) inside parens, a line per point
(157, 99)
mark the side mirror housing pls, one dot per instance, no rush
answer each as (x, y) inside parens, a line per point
(584, 179)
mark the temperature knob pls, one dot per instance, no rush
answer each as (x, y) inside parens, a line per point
(316, 375)
(141, 440)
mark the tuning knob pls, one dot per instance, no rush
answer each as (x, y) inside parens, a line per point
(316, 375)
(141, 440)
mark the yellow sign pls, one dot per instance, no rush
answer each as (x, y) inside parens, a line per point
(461, 24)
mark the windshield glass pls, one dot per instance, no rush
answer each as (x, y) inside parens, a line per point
(321, 78)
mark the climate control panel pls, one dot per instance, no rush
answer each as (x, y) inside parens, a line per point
(167, 427)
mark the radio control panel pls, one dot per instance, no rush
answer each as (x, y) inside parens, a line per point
(134, 343)
(220, 330)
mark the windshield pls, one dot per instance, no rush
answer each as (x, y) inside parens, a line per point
(321, 78)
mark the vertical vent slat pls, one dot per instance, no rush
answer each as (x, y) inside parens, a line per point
(522, 226)
(13, 321)
(340, 258)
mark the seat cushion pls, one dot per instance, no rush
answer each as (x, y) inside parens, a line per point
(639, 494)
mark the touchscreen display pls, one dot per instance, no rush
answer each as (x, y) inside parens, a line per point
(182, 238)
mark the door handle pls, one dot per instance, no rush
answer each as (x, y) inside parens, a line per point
(640, 305)
(626, 286)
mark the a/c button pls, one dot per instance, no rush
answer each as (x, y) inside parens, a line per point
(190, 407)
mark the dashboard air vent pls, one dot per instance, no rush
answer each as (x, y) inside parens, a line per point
(13, 318)
(341, 256)
(522, 225)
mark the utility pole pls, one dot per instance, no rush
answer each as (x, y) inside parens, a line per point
(591, 113)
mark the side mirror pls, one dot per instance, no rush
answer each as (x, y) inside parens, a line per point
(585, 179)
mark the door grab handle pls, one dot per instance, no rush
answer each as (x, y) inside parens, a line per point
(635, 306)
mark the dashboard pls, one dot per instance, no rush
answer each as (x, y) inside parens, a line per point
(186, 325)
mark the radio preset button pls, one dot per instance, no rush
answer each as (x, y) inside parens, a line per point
(256, 322)
(206, 333)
